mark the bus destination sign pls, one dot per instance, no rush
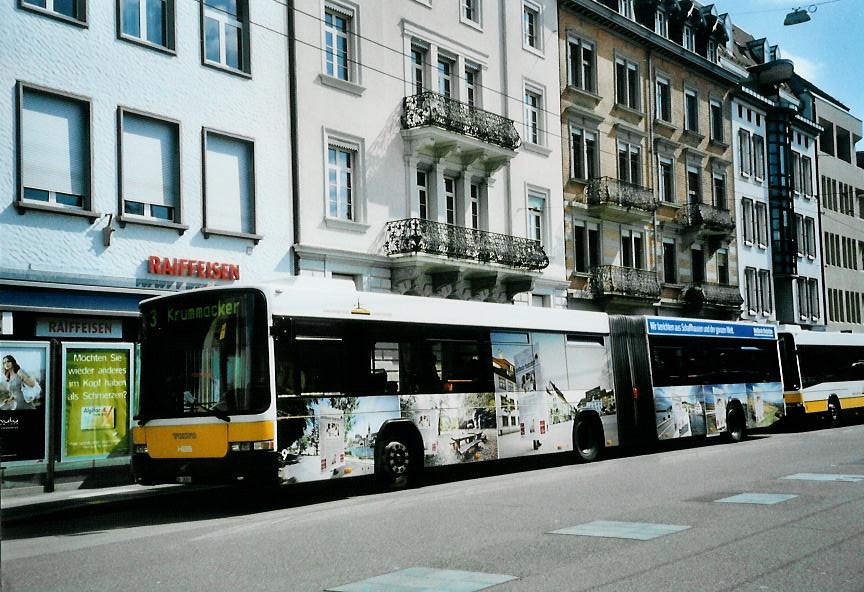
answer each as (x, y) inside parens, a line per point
(696, 328)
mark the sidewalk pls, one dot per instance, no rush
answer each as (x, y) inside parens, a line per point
(23, 503)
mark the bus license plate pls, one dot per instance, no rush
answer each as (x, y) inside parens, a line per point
(184, 479)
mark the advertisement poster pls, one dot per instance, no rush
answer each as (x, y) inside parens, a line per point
(96, 400)
(332, 437)
(24, 392)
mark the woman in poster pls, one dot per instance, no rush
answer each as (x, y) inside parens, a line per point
(12, 394)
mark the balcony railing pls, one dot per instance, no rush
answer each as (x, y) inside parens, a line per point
(701, 293)
(430, 108)
(611, 191)
(415, 235)
(706, 217)
(612, 280)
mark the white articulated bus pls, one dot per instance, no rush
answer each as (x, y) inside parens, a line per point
(309, 379)
(823, 373)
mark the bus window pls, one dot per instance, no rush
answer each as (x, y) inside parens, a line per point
(446, 366)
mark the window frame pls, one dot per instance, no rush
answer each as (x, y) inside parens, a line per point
(576, 71)
(760, 211)
(748, 214)
(715, 111)
(245, 69)
(758, 156)
(477, 7)
(766, 300)
(205, 229)
(170, 46)
(537, 216)
(662, 186)
(584, 164)
(124, 218)
(530, 8)
(663, 99)
(720, 202)
(537, 126)
(632, 94)
(588, 249)
(80, 5)
(691, 121)
(23, 204)
(630, 150)
(357, 145)
(745, 153)
(670, 265)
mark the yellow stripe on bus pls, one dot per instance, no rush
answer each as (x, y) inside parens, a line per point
(250, 432)
(200, 441)
(816, 406)
(187, 441)
(850, 402)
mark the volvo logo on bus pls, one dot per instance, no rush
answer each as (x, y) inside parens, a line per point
(184, 435)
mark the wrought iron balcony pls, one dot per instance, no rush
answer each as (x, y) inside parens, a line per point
(612, 280)
(415, 235)
(433, 109)
(610, 191)
(701, 293)
(706, 219)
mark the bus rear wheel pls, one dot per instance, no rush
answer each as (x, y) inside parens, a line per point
(397, 464)
(736, 425)
(835, 413)
(587, 438)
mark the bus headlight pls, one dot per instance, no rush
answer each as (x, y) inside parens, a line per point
(246, 446)
(139, 449)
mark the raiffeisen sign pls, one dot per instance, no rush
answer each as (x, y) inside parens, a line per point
(211, 270)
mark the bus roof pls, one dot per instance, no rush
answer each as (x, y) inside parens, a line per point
(339, 299)
(803, 337)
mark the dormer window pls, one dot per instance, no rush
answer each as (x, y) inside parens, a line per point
(625, 8)
(661, 23)
(689, 38)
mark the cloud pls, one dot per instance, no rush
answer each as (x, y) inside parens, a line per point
(804, 67)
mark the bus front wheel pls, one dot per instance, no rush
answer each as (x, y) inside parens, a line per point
(587, 438)
(736, 425)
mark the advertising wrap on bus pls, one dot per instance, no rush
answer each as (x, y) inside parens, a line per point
(700, 367)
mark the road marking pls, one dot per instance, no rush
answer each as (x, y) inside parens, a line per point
(641, 531)
(757, 498)
(825, 477)
(426, 578)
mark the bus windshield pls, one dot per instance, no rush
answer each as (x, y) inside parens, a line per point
(204, 354)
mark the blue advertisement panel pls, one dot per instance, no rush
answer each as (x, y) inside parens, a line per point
(699, 328)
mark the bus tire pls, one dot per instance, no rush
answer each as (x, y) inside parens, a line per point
(398, 463)
(736, 424)
(587, 437)
(835, 412)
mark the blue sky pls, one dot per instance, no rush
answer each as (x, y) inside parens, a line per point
(827, 50)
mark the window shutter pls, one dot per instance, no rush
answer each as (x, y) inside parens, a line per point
(150, 168)
(55, 145)
(229, 184)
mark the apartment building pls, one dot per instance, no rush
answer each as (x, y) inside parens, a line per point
(775, 198)
(428, 153)
(646, 126)
(147, 153)
(841, 196)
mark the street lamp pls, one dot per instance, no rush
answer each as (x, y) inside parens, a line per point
(799, 15)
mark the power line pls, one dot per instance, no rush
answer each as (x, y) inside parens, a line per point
(762, 10)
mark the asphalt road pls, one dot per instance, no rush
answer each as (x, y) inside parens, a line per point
(315, 537)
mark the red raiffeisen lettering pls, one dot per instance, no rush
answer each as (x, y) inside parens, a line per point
(190, 267)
